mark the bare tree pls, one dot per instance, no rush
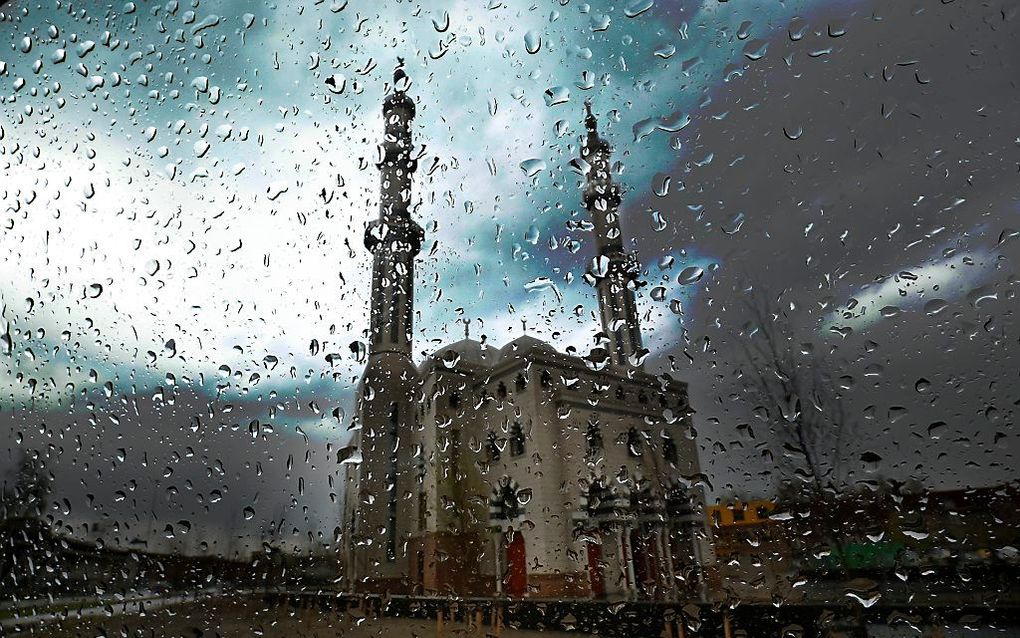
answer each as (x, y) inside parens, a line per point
(25, 533)
(26, 498)
(795, 390)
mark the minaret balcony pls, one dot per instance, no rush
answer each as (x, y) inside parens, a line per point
(616, 264)
(398, 234)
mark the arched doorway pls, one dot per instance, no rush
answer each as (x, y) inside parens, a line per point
(515, 579)
(644, 557)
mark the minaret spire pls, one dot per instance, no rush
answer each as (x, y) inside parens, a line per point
(380, 518)
(394, 238)
(614, 271)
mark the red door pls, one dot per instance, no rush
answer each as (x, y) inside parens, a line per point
(516, 578)
(646, 571)
(598, 583)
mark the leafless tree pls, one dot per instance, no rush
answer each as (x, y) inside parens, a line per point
(25, 532)
(795, 390)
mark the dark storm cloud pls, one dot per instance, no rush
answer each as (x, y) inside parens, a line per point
(904, 160)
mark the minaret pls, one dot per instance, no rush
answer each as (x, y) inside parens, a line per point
(389, 389)
(614, 271)
(394, 238)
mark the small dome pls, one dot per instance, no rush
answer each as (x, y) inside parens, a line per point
(523, 345)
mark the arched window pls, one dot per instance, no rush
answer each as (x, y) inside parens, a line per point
(521, 382)
(501, 390)
(492, 447)
(516, 439)
(669, 452)
(620, 393)
(455, 400)
(593, 437)
(505, 503)
(738, 513)
(391, 477)
(546, 379)
(633, 442)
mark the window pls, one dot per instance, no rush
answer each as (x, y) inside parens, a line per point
(505, 504)
(521, 383)
(593, 438)
(516, 439)
(492, 447)
(422, 511)
(634, 442)
(391, 480)
(669, 452)
(501, 390)
(546, 379)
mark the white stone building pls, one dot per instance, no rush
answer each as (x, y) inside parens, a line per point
(519, 471)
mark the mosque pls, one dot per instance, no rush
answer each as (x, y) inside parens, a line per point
(520, 471)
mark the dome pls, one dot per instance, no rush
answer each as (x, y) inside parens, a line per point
(523, 345)
(463, 351)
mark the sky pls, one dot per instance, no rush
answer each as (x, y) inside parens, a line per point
(184, 198)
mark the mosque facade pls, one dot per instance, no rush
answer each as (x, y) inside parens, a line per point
(522, 471)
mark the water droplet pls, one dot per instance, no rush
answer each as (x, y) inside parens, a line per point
(450, 359)
(557, 95)
(734, 224)
(981, 295)
(935, 306)
(442, 23)
(599, 22)
(336, 83)
(755, 49)
(690, 275)
(660, 185)
(532, 234)
(532, 41)
(665, 51)
(532, 167)
(637, 7)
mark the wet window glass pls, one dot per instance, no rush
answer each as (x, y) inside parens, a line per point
(665, 318)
